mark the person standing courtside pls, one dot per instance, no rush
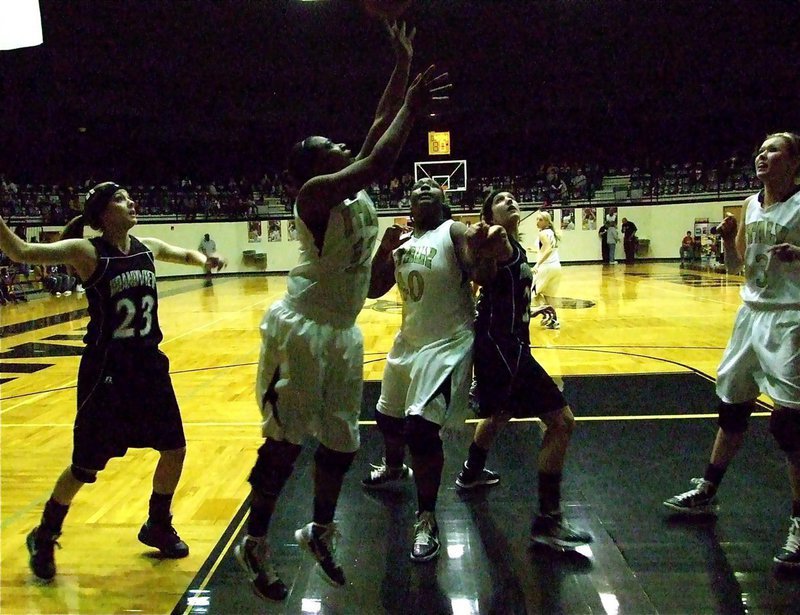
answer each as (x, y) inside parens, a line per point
(310, 372)
(429, 368)
(510, 381)
(601, 232)
(125, 395)
(207, 246)
(763, 352)
(629, 240)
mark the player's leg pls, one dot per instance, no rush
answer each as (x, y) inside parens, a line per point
(738, 390)
(391, 420)
(550, 527)
(427, 459)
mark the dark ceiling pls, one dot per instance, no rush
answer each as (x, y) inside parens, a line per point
(218, 88)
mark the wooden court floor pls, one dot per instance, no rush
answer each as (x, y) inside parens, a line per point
(635, 320)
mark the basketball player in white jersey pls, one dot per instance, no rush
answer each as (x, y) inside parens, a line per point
(547, 269)
(311, 364)
(429, 368)
(763, 353)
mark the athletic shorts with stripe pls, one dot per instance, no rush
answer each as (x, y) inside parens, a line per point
(431, 381)
(310, 379)
(510, 380)
(125, 400)
(762, 356)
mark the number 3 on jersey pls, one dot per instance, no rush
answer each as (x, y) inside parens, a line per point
(411, 288)
(128, 310)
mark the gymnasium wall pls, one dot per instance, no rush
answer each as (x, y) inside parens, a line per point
(663, 225)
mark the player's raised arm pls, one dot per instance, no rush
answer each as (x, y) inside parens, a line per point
(392, 99)
(322, 191)
(77, 253)
(174, 254)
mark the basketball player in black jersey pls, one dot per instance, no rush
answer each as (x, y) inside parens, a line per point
(511, 383)
(125, 395)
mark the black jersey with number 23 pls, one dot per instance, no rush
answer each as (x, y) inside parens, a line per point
(123, 302)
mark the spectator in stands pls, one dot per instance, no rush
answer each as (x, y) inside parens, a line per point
(687, 248)
(8, 286)
(579, 185)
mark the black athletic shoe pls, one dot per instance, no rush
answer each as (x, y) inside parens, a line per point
(554, 531)
(701, 500)
(323, 548)
(254, 557)
(164, 538)
(470, 480)
(41, 545)
(789, 556)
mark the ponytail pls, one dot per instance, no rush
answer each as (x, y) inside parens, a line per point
(74, 228)
(545, 215)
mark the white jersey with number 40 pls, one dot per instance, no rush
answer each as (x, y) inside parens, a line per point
(437, 299)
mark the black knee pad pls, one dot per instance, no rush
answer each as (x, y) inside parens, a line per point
(332, 460)
(733, 418)
(784, 424)
(84, 476)
(390, 425)
(274, 466)
(422, 436)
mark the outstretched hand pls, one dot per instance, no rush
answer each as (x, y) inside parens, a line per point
(402, 42)
(728, 227)
(484, 241)
(215, 263)
(427, 89)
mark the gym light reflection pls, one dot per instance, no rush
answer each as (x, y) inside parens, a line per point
(310, 605)
(610, 603)
(464, 606)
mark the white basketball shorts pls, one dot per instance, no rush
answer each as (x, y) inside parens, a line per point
(310, 379)
(548, 279)
(414, 376)
(763, 356)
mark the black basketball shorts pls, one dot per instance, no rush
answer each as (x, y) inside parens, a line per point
(511, 380)
(125, 400)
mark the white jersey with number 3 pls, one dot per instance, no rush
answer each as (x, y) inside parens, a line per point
(771, 283)
(330, 283)
(437, 298)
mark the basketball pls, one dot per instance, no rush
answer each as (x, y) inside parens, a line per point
(386, 9)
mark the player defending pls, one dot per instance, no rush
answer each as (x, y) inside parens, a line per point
(510, 382)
